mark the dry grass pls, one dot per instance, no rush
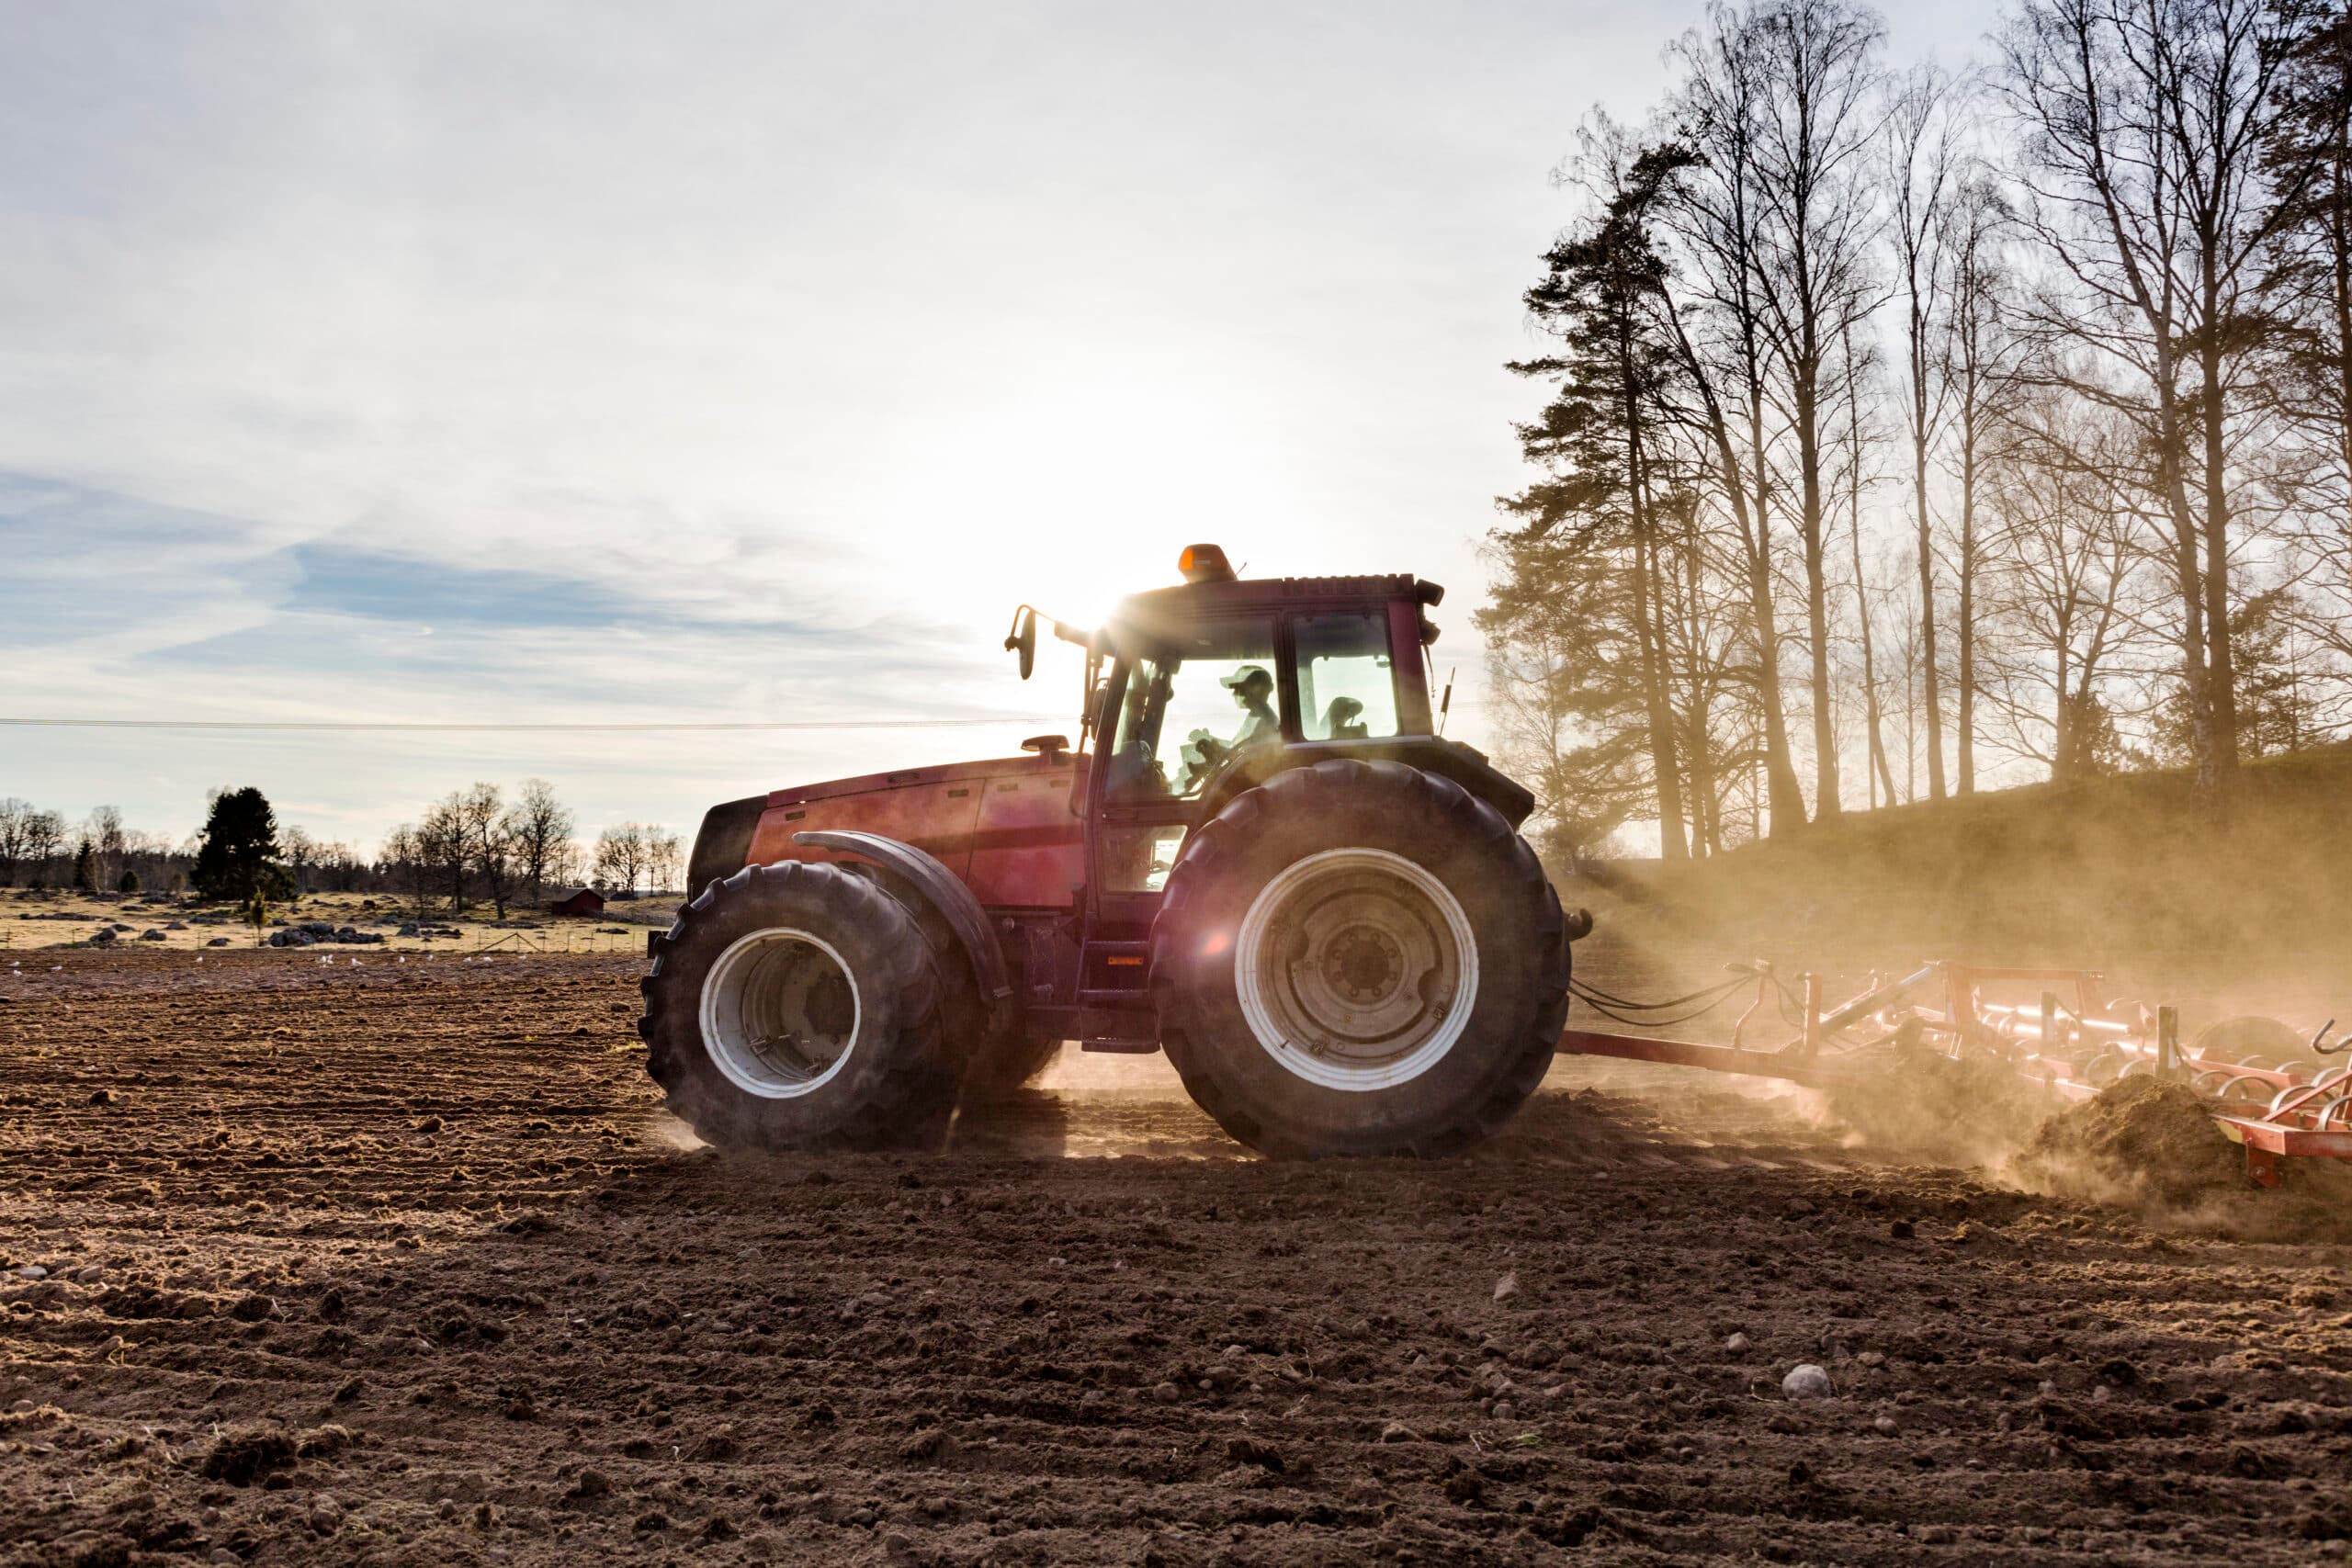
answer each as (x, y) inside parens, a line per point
(29, 923)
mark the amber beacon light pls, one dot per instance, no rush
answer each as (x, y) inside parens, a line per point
(1204, 563)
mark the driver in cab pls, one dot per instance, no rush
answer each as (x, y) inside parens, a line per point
(1254, 693)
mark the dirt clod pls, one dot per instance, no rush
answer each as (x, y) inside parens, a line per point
(242, 1458)
(2138, 1141)
(1249, 1450)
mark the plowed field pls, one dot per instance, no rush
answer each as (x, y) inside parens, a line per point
(403, 1263)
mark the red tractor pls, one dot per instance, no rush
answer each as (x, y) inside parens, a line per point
(1261, 858)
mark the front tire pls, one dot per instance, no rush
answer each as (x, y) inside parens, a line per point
(1359, 958)
(796, 1004)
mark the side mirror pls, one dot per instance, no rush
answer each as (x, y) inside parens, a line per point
(1023, 638)
(1049, 746)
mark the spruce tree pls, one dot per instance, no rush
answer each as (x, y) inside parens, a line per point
(240, 855)
(1589, 568)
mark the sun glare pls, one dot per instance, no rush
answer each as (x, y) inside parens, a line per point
(1074, 497)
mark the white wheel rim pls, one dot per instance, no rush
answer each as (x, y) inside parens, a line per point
(1356, 969)
(770, 1017)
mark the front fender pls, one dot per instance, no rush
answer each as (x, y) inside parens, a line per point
(954, 901)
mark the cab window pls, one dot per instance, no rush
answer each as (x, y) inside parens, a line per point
(1189, 707)
(1347, 682)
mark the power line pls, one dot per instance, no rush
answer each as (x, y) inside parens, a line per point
(297, 725)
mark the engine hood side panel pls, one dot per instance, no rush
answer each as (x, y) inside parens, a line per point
(936, 817)
(1005, 828)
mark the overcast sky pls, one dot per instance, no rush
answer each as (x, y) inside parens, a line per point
(522, 362)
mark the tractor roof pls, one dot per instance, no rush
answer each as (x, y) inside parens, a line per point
(1159, 610)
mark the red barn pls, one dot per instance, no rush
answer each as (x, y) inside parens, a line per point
(577, 902)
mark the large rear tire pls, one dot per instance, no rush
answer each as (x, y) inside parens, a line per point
(798, 1004)
(1359, 958)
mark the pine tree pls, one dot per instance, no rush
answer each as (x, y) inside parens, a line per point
(240, 856)
(1585, 569)
(86, 868)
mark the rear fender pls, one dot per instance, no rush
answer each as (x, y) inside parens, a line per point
(1448, 759)
(939, 886)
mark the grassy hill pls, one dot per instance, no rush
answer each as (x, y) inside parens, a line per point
(2129, 873)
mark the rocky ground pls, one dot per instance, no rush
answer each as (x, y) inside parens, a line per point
(33, 920)
(401, 1262)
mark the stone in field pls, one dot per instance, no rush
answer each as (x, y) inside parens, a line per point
(1807, 1381)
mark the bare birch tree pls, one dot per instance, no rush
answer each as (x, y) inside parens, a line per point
(2145, 140)
(1715, 319)
(2068, 562)
(1926, 165)
(539, 828)
(1981, 346)
(1816, 129)
(622, 856)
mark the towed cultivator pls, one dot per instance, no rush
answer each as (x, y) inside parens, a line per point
(2273, 1092)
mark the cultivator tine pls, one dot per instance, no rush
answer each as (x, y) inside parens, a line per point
(2276, 1109)
(1763, 973)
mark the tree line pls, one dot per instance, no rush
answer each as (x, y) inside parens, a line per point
(476, 846)
(1945, 427)
(478, 843)
(42, 848)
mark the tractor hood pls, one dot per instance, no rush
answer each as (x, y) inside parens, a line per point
(1007, 826)
(915, 778)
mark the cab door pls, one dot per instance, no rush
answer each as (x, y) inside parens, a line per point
(1176, 711)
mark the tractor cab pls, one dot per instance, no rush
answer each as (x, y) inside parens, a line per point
(1200, 691)
(1211, 681)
